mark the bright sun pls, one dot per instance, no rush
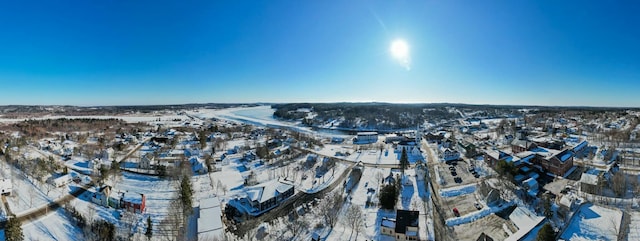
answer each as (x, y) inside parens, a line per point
(400, 51)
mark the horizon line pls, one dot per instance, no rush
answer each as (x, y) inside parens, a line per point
(328, 102)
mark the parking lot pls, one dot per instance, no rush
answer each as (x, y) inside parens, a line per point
(457, 173)
(463, 203)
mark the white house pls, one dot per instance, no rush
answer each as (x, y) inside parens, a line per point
(366, 138)
(62, 180)
(449, 154)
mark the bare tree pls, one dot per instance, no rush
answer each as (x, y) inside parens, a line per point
(329, 208)
(169, 227)
(379, 176)
(250, 234)
(91, 213)
(619, 184)
(355, 220)
(296, 228)
(128, 221)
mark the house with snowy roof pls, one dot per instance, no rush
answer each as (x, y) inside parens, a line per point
(133, 202)
(518, 146)
(493, 156)
(403, 227)
(261, 198)
(450, 155)
(590, 181)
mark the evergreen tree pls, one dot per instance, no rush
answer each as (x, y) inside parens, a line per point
(202, 137)
(13, 230)
(404, 160)
(186, 192)
(388, 196)
(546, 233)
(149, 228)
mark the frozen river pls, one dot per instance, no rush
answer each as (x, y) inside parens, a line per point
(263, 116)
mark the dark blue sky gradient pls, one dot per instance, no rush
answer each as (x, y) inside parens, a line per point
(166, 52)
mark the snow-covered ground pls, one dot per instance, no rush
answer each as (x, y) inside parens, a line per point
(473, 216)
(593, 222)
(258, 115)
(374, 157)
(166, 119)
(29, 194)
(54, 226)
(412, 197)
(634, 226)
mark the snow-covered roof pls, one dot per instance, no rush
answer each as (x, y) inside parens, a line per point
(525, 220)
(531, 183)
(388, 222)
(210, 224)
(132, 197)
(589, 178)
(567, 200)
(267, 190)
(209, 202)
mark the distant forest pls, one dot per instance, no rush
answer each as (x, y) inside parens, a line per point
(365, 115)
(27, 111)
(387, 116)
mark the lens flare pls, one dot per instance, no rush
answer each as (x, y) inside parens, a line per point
(400, 51)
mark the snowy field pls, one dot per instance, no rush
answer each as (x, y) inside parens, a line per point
(258, 115)
(374, 157)
(473, 216)
(159, 192)
(592, 223)
(29, 194)
(54, 226)
(152, 119)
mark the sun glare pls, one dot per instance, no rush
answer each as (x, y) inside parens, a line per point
(400, 51)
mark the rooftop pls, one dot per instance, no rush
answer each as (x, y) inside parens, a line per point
(404, 219)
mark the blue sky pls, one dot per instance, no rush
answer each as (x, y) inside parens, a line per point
(162, 52)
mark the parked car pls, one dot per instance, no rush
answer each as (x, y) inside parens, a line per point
(456, 212)
(477, 205)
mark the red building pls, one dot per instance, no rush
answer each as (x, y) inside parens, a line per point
(133, 202)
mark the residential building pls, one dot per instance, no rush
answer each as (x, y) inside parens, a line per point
(403, 227)
(133, 202)
(557, 163)
(366, 138)
(518, 146)
(264, 196)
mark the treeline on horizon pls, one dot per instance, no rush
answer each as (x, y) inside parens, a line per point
(19, 111)
(375, 115)
(365, 115)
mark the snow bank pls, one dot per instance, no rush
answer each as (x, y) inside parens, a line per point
(457, 191)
